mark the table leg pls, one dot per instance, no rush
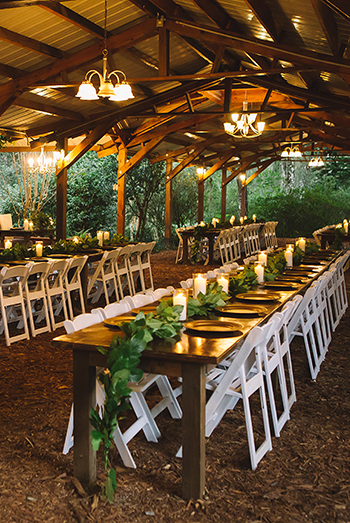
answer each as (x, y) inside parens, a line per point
(84, 283)
(193, 431)
(84, 392)
(211, 249)
(185, 249)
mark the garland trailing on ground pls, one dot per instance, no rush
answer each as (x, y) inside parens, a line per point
(123, 358)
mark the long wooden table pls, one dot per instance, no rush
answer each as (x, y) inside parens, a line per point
(189, 358)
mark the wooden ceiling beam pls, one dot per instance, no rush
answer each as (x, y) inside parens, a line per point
(262, 168)
(74, 18)
(217, 165)
(29, 43)
(243, 167)
(313, 59)
(11, 72)
(341, 7)
(140, 155)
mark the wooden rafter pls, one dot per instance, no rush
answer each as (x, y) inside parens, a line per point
(262, 168)
(217, 165)
(30, 43)
(46, 107)
(140, 155)
(241, 168)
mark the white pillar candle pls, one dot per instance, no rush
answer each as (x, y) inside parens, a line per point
(26, 225)
(8, 244)
(259, 271)
(75, 239)
(199, 284)
(346, 226)
(39, 249)
(223, 281)
(262, 258)
(289, 258)
(106, 235)
(254, 218)
(232, 219)
(31, 226)
(180, 298)
(290, 247)
(241, 220)
(202, 224)
(100, 238)
(302, 244)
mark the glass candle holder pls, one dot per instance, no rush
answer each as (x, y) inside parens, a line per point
(180, 297)
(223, 280)
(199, 284)
(262, 258)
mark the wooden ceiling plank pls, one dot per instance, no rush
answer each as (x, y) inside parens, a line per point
(11, 72)
(265, 17)
(74, 18)
(341, 7)
(29, 43)
(48, 109)
(328, 23)
(314, 59)
(140, 155)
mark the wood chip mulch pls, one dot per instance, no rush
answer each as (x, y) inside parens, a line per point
(304, 479)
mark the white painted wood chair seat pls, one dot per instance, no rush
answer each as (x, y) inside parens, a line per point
(121, 269)
(145, 267)
(35, 294)
(56, 292)
(72, 282)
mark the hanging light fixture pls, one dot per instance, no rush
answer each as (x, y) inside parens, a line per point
(44, 162)
(118, 92)
(245, 124)
(291, 152)
(316, 162)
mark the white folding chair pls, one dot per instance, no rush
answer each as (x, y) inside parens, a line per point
(56, 292)
(72, 282)
(35, 294)
(145, 267)
(161, 292)
(113, 309)
(220, 244)
(138, 300)
(105, 277)
(135, 268)
(179, 252)
(242, 378)
(121, 269)
(12, 282)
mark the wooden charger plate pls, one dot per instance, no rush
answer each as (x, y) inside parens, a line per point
(258, 296)
(281, 285)
(237, 310)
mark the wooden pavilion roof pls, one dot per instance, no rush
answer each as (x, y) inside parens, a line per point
(190, 63)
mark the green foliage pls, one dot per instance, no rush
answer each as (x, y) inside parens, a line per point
(91, 202)
(42, 221)
(123, 359)
(119, 240)
(184, 198)
(243, 281)
(206, 303)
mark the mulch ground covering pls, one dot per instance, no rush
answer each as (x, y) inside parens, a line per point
(304, 479)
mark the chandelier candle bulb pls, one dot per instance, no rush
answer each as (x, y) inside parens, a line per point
(100, 238)
(259, 271)
(222, 280)
(289, 257)
(302, 244)
(180, 298)
(199, 284)
(8, 244)
(39, 249)
(262, 258)
(26, 225)
(106, 235)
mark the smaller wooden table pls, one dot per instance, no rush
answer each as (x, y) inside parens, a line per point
(211, 234)
(15, 232)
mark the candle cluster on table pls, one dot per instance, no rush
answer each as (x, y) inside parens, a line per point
(262, 258)
(26, 225)
(39, 249)
(289, 257)
(180, 297)
(215, 221)
(346, 226)
(223, 280)
(199, 284)
(259, 271)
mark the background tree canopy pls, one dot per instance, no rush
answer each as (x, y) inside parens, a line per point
(299, 197)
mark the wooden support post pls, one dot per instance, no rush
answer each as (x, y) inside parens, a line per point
(200, 200)
(163, 61)
(61, 198)
(122, 158)
(168, 201)
(223, 193)
(243, 200)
